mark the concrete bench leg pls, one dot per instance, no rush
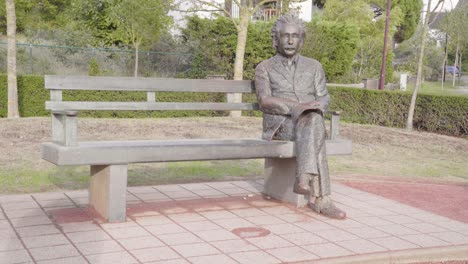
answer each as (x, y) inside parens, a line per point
(279, 180)
(107, 191)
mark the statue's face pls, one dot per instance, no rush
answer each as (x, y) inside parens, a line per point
(290, 40)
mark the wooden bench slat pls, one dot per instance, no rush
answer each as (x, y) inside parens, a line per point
(103, 83)
(140, 151)
(146, 106)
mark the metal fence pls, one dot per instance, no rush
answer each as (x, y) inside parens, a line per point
(66, 60)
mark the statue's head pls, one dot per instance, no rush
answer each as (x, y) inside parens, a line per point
(288, 34)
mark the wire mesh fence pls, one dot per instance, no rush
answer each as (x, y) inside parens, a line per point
(66, 60)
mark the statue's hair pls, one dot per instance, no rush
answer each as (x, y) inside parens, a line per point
(283, 20)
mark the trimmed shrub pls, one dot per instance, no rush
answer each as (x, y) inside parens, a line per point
(438, 114)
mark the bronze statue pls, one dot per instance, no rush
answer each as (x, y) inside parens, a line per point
(292, 94)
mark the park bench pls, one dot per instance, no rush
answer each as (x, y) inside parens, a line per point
(109, 159)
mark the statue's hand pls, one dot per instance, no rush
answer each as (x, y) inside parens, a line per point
(300, 108)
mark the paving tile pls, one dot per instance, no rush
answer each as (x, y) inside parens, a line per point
(179, 238)
(128, 223)
(181, 194)
(4, 199)
(215, 235)
(221, 185)
(212, 259)
(424, 240)
(24, 213)
(8, 244)
(452, 237)
(88, 236)
(453, 225)
(7, 233)
(269, 242)
(344, 224)
(233, 223)
(257, 257)
(186, 217)
(170, 261)
(235, 191)
(234, 245)
(292, 254)
(206, 207)
(274, 210)
(169, 188)
(53, 252)
(294, 217)
(127, 232)
(194, 250)
(334, 235)
(79, 227)
(45, 241)
(99, 247)
(156, 196)
(367, 232)
(265, 220)
(57, 203)
(195, 186)
(402, 219)
(303, 238)
(248, 212)
(31, 221)
(174, 210)
(141, 189)
(2, 216)
(30, 231)
(209, 193)
(397, 230)
(425, 227)
(49, 196)
(200, 226)
(361, 246)
(140, 242)
(373, 221)
(20, 205)
(265, 203)
(4, 224)
(222, 214)
(77, 194)
(328, 250)
(71, 260)
(165, 229)
(17, 256)
(153, 220)
(314, 226)
(114, 257)
(393, 243)
(280, 229)
(233, 205)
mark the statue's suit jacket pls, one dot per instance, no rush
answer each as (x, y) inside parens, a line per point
(279, 92)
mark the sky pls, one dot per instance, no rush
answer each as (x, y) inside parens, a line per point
(448, 5)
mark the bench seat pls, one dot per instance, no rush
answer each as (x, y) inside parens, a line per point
(141, 151)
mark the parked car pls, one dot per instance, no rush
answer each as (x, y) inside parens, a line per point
(452, 70)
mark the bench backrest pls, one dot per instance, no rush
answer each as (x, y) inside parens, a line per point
(57, 84)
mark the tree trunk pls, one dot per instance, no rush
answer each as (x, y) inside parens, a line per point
(137, 46)
(409, 121)
(456, 63)
(240, 51)
(11, 60)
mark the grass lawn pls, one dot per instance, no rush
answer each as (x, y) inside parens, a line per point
(435, 88)
(377, 152)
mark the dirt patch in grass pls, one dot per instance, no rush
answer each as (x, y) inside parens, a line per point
(378, 152)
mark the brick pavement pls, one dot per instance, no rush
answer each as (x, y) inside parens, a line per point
(221, 222)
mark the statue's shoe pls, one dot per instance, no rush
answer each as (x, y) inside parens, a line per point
(329, 210)
(302, 185)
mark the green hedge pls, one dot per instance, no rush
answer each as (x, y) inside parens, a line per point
(439, 114)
